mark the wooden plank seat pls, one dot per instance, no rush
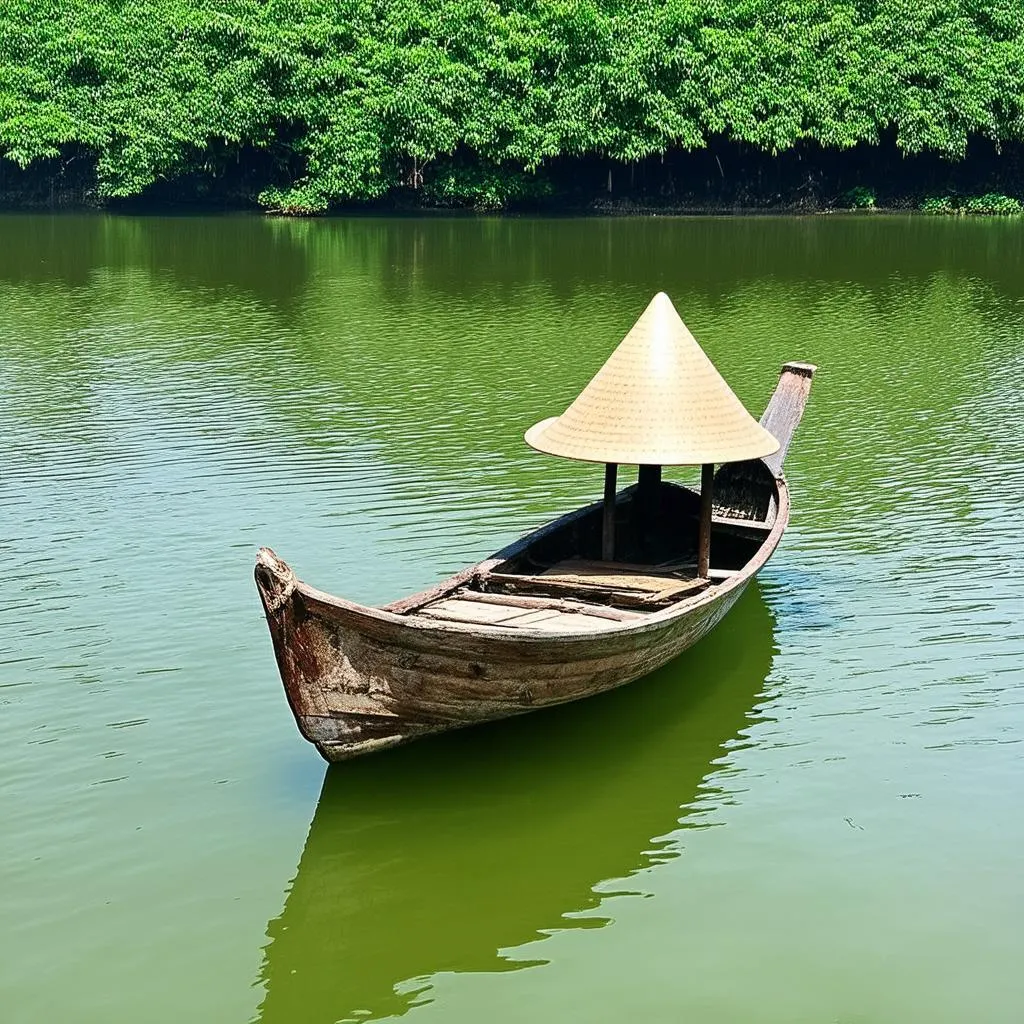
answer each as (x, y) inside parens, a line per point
(744, 527)
(599, 582)
(508, 610)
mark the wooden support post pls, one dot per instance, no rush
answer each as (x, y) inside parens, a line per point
(707, 478)
(648, 481)
(647, 503)
(608, 525)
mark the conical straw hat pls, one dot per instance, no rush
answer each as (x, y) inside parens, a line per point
(658, 400)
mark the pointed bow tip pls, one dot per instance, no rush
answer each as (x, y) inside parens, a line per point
(274, 579)
(268, 557)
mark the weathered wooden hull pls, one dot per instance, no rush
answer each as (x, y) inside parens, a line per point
(362, 679)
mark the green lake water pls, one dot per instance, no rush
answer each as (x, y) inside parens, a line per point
(816, 815)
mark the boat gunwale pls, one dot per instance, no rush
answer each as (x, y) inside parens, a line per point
(422, 625)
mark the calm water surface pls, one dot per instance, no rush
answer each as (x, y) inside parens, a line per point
(817, 815)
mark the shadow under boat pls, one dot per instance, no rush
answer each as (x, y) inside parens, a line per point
(434, 857)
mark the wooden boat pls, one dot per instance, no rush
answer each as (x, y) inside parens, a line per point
(591, 601)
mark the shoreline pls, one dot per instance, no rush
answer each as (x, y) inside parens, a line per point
(723, 179)
(551, 211)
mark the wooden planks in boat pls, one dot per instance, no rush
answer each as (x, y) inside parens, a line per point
(621, 574)
(559, 604)
(460, 609)
(754, 527)
(467, 608)
(618, 583)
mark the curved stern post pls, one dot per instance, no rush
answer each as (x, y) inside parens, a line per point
(743, 489)
(786, 409)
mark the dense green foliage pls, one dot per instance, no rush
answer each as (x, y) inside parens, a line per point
(860, 197)
(349, 99)
(991, 204)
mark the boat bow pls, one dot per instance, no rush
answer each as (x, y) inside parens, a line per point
(275, 580)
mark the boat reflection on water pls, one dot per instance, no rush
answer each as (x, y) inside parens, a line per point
(434, 857)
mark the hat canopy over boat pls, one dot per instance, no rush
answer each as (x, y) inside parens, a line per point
(592, 600)
(658, 400)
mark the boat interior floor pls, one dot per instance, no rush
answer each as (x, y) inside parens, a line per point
(613, 583)
(548, 616)
(557, 584)
(574, 594)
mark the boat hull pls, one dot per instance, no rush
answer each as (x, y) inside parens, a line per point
(357, 683)
(502, 639)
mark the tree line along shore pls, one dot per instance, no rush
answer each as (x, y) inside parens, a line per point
(303, 106)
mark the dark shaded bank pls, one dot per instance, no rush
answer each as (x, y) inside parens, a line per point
(724, 177)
